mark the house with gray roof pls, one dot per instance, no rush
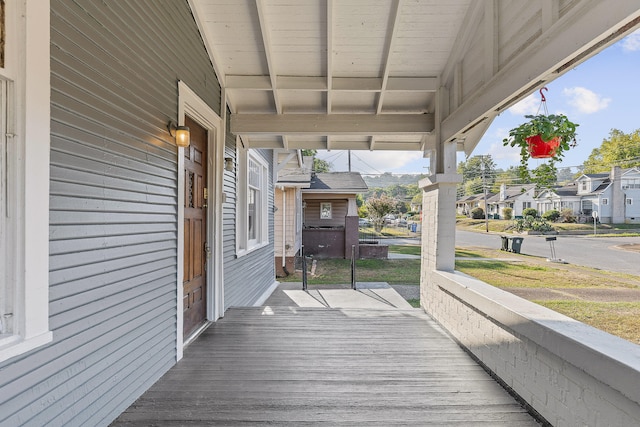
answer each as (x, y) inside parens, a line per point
(614, 197)
(466, 204)
(516, 197)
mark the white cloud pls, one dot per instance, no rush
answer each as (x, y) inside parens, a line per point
(502, 154)
(631, 43)
(586, 101)
(528, 105)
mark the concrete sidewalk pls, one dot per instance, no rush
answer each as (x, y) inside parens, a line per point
(369, 295)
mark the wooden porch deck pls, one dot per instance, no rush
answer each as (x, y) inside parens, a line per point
(307, 366)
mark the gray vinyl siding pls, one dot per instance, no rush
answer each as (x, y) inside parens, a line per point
(113, 206)
(248, 277)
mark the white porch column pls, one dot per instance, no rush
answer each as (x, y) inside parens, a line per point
(438, 218)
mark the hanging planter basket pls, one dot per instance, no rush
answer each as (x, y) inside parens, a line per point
(539, 149)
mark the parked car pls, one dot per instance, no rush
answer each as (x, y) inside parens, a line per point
(363, 222)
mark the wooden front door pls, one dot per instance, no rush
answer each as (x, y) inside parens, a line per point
(195, 230)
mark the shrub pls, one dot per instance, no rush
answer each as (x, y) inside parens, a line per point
(566, 215)
(551, 215)
(477, 213)
(530, 212)
(531, 223)
(507, 213)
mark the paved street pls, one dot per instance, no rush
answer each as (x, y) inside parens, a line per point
(604, 253)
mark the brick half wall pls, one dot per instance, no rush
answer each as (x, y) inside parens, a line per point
(568, 372)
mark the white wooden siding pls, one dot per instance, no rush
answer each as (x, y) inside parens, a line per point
(112, 231)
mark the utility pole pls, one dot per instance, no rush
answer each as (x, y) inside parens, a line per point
(484, 188)
(349, 155)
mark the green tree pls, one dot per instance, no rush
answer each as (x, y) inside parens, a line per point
(472, 186)
(620, 149)
(378, 208)
(545, 175)
(477, 169)
(319, 165)
(508, 177)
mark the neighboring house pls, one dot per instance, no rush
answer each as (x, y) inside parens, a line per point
(331, 214)
(466, 204)
(516, 197)
(561, 198)
(293, 173)
(118, 247)
(615, 197)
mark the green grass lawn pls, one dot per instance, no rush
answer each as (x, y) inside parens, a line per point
(504, 226)
(405, 249)
(334, 271)
(621, 318)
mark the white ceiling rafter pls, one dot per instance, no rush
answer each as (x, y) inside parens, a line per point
(453, 64)
(266, 41)
(329, 60)
(331, 124)
(389, 43)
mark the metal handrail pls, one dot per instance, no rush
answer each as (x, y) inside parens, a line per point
(353, 266)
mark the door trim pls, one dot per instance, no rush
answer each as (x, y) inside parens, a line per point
(190, 104)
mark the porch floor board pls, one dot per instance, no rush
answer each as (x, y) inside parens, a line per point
(308, 366)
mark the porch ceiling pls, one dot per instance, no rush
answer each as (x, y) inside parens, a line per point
(392, 74)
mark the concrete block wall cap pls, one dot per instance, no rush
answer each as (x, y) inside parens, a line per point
(440, 178)
(608, 358)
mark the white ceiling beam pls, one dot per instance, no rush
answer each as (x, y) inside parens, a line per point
(281, 163)
(350, 84)
(583, 33)
(266, 40)
(550, 13)
(490, 28)
(331, 124)
(389, 43)
(207, 39)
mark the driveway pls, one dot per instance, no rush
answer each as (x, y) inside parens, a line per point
(617, 254)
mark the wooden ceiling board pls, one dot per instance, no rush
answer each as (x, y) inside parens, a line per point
(374, 57)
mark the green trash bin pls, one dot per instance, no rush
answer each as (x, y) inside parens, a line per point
(516, 244)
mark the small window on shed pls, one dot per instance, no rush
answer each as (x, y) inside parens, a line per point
(605, 201)
(629, 201)
(325, 210)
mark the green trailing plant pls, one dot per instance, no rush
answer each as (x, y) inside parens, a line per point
(548, 126)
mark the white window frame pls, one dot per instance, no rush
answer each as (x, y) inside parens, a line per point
(605, 201)
(245, 244)
(324, 212)
(24, 220)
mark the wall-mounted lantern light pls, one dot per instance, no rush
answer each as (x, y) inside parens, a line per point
(228, 164)
(181, 133)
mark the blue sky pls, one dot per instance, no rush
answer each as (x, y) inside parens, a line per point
(601, 94)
